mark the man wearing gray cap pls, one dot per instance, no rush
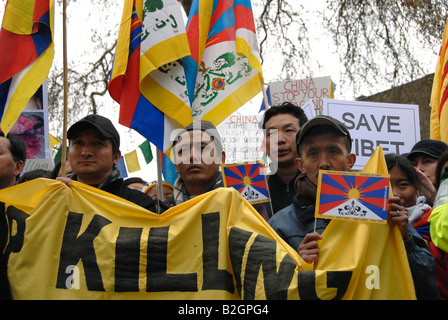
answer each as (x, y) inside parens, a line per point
(198, 153)
(94, 150)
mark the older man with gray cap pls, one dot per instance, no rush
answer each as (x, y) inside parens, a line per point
(424, 156)
(94, 150)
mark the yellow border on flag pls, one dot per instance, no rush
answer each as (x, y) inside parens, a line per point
(242, 95)
(243, 164)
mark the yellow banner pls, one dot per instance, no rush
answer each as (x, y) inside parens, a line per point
(83, 243)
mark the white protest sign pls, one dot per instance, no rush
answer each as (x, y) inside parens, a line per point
(396, 127)
(301, 91)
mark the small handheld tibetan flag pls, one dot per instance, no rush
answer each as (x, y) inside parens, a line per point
(352, 195)
(248, 179)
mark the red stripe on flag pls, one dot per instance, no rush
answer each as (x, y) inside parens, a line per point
(445, 90)
(193, 34)
(225, 35)
(323, 208)
(222, 7)
(17, 52)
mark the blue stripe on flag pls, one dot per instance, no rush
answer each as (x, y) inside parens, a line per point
(42, 39)
(169, 170)
(245, 3)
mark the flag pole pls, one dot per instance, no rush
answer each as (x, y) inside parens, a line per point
(263, 89)
(64, 50)
(159, 178)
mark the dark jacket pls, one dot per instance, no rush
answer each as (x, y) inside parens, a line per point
(113, 184)
(295, 221)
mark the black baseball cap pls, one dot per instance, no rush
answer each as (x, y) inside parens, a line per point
(432, 148)
(102, 124)
(322, 120)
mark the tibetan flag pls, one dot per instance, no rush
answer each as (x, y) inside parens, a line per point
(168, 170)
(121, 166)
(439, 95)
(248, 179)
(224, 70)
(147, 78)
(145, 148)
(352, 195)
(26, 55)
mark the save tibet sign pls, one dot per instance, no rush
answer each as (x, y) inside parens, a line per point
(395, 127)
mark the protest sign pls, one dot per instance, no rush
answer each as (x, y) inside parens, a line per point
(301, 91)
(249, 179)
(395, 127)
(32, 128)
(84, 243)
(352, 195)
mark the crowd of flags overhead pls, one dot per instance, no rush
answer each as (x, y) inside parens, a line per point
(26, 55)
(439, 95)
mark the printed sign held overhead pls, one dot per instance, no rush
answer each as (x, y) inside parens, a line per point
(248, 179)
(395, 127)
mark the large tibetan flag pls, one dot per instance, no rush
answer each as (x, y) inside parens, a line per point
(147, 78)
(224, 70)
(26, 55)
(439, 95)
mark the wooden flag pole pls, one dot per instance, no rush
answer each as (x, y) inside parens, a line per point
(64, 50)
(159, 178)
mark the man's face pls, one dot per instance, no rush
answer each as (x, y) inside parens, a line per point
(402, 187)
(196, 157)
(426, 164)
(91, 157)
(324, 152)
(9, 169)
(281, 133)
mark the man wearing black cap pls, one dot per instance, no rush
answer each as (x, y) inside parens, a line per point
(424, 156)
(198, 153)
(94, 150)
(324, 143)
